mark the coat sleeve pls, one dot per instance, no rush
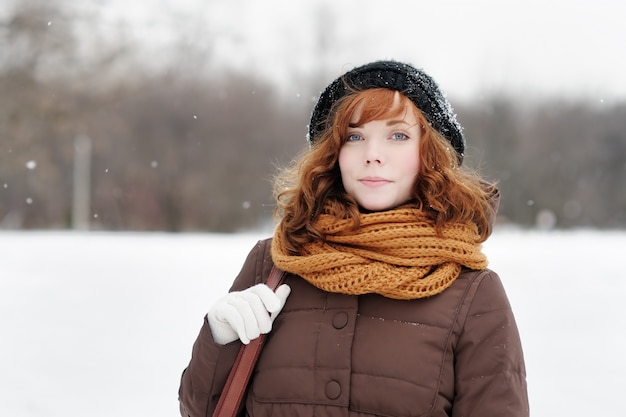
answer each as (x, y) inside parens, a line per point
(489, 363)
(204, 378)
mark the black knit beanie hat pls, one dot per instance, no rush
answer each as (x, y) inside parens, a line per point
(414, 83)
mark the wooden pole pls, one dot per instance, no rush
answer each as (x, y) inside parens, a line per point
(82, 183)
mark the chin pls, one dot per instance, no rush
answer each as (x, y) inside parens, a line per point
(376, 207)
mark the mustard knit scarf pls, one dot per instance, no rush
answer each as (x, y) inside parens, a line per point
(394, 253)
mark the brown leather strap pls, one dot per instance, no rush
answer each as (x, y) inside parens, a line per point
(237, 381)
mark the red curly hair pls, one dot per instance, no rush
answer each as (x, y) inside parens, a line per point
(444, 191)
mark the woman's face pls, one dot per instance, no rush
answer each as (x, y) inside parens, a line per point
(379, 161)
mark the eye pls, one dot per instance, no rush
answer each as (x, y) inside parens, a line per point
(399, 136)
(353, 137)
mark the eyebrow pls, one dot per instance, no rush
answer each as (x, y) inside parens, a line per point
(396, 122)
(389, 123)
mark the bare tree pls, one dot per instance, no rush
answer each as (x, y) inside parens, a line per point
(194, 148)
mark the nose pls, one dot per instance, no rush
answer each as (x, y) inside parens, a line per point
(373, 153)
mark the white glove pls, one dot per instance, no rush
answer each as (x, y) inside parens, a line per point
(247, 314)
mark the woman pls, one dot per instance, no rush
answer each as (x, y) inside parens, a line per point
(388, 308)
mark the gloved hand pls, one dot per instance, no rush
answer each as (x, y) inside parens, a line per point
(246, 314)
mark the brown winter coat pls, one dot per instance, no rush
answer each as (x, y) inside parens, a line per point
(454, 354)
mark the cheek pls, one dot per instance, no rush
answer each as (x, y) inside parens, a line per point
(343, 160)
(411, 164)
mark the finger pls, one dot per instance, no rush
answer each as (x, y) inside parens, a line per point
(253, 313)
(267, 296)
(262, 322)
(231, 313)
(282, 293)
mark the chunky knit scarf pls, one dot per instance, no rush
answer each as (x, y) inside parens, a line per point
(395, 253)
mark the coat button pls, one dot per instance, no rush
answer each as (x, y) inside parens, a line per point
(333, 390)
(340, 320)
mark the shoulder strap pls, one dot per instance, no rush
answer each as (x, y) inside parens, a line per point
(237, 382)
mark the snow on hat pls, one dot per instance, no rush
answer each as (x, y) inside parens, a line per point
(414, 83)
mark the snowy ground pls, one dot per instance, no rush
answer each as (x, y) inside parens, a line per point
(102, 324)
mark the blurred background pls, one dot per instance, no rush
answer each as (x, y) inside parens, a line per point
(173, 115)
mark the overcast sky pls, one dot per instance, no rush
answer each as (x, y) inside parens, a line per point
(532, 47)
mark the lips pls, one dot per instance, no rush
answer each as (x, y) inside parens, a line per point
(374, 181)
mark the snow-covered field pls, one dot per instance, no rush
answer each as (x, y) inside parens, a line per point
(101, 324)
